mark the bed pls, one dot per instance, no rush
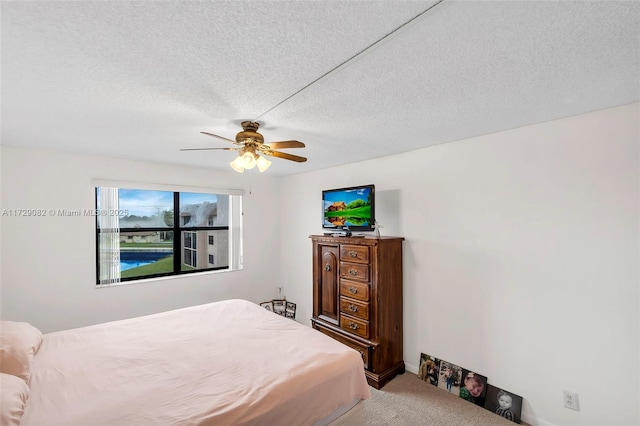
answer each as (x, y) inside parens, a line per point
(224, 363)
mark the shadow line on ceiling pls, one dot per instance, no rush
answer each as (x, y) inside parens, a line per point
(349, 59)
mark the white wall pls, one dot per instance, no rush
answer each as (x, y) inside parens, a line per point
(521, 258)
(47, 268)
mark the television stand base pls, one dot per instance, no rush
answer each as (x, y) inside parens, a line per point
(339, 234)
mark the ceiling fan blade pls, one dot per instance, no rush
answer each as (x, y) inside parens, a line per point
(285, 156)
(219, 137)
(208, 149)
(285, 144)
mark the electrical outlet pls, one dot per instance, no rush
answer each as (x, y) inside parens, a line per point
(571, 400)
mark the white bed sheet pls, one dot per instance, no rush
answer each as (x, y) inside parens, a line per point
(229, 362)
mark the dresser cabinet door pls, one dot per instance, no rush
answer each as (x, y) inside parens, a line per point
(328, 285)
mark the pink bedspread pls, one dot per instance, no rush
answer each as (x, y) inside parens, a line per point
(225, 363)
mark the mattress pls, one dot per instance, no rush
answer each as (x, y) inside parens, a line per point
(229, 362)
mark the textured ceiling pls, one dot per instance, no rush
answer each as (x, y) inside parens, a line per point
(141, 79)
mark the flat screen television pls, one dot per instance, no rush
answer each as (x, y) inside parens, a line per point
(350, 208)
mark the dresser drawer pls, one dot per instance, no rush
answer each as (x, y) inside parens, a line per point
(354, 325)
(354, 271)
(354, 307)
(361, 348)
(355, 290)
(357, 254)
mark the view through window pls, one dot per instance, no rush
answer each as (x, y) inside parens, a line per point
(144, 233)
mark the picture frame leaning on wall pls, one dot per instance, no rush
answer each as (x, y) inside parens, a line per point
(267, 305)
(279, 306)
(290, 310)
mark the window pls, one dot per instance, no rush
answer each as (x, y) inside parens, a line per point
(190, 249)
(143, 233)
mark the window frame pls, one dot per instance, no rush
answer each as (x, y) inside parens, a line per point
(177, 229)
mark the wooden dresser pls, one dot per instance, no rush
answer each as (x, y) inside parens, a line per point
(357, 299)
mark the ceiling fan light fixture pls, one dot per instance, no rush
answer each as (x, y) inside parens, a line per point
(248, 160)
(262, 163)
(250, 144)
(237, 164)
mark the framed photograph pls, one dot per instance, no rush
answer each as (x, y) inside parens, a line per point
(429, 368)
(279, 306)
(503, 403)
(473, 387)
(290, 311)
(450, 377)
(267, 305)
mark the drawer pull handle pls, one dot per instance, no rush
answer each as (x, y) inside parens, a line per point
(353, 253)
(353, 272)
(353, 290)
(353, 308)
(327, 267)
(353, 326)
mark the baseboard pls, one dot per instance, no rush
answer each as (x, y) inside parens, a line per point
(532, 420)
(411, 368)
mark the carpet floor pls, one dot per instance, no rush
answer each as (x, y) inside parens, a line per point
(408, 401)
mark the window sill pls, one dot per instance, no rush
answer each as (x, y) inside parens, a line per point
(170, 277)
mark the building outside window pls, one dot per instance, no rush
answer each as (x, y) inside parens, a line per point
(190, 246)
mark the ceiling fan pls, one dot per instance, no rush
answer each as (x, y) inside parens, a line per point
(250, 144)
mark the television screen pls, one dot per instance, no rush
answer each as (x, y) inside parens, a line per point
(352, 208)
